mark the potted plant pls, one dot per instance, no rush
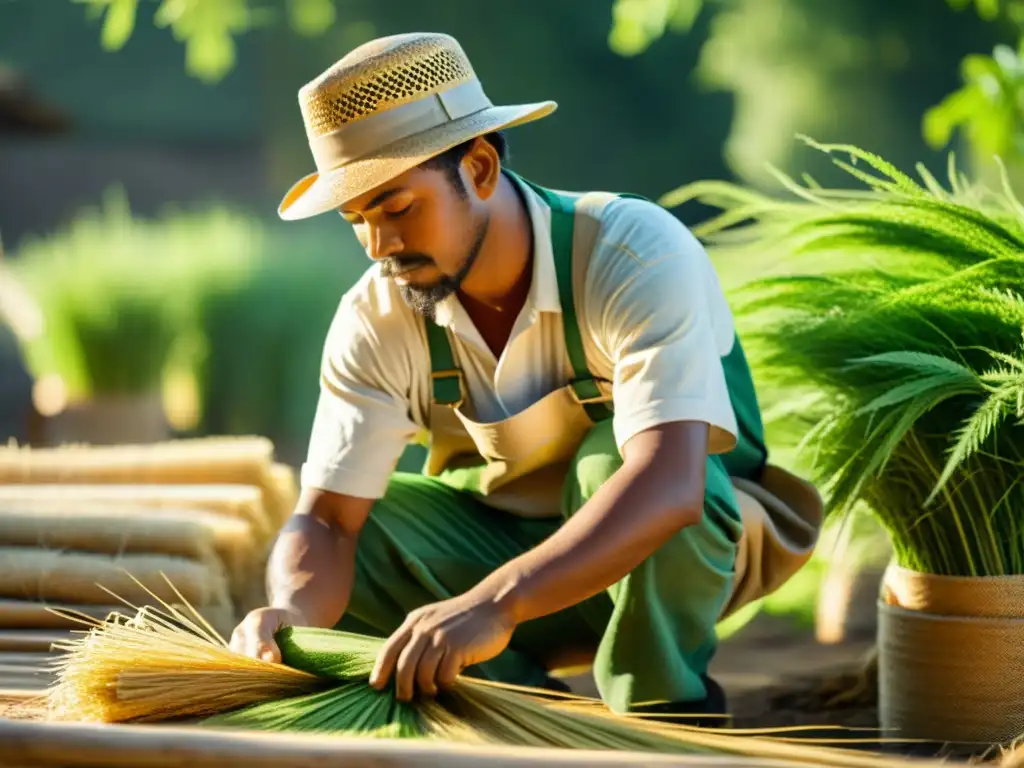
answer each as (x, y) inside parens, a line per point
(890, 317)
(117, 296)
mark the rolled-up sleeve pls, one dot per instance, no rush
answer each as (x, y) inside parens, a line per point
(664, 325)
(362, 421)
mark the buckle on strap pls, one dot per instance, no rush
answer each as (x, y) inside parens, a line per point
(591, 400)
(451, 373)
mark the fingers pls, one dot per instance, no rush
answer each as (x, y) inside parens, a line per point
(448, 670)
(408, 662)
(264, 646)
(254, 637)
(388, 656)
(426, 670)
(413, 658)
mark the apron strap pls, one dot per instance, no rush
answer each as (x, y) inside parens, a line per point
(446, 380)
(563, 223)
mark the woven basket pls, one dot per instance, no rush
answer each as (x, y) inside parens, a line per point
(951, 657)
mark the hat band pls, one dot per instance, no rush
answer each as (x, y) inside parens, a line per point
(366, 135)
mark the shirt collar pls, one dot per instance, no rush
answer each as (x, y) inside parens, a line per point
(543, 296)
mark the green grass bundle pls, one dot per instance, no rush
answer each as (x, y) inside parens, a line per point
(166, 665)
(886, 327)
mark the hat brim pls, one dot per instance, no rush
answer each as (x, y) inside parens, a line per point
(321, 192)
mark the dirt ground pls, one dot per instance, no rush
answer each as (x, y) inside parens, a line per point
(778, 675)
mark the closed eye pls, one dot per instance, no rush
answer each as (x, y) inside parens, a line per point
(398, 214)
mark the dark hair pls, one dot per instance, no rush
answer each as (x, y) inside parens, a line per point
(448, 161)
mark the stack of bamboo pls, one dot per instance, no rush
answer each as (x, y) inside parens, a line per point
(80, 522)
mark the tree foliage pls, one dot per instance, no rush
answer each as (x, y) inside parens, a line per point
(987, 108)
(207, 29)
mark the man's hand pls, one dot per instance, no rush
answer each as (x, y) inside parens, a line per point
(255, 635)
(437, 642)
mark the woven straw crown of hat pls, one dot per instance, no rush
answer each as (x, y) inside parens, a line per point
(386, 107)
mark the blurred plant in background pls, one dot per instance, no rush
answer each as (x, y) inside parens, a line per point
(208, 29)
(638, 23)
(263, 336)
(790, 60)
(220, 312)
(989, 107)
(112, 297)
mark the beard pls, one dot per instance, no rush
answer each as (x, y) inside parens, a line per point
(424, 299)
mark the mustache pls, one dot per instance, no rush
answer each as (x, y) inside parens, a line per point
(397, 265)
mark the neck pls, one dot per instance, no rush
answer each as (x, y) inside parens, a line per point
(503, 267)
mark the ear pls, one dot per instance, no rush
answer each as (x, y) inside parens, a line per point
(482, 166)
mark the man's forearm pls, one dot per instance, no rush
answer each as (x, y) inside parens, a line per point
(620, 526)
(311, 570)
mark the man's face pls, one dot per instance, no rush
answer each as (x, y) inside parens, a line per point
(425, 232)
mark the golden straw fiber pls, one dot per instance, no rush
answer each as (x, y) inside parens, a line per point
(31, 640)
(220, 460)
(108, 534)
(52, 575)
(243, 502)
(111, 674)
(28, 614)
(285, 485)
(111, 529)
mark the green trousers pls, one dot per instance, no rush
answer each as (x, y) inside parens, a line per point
(654, 630)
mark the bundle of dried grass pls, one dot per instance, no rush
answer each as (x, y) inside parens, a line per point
(163, 665)
(41, 575)
(27, 614)
(194, 534)
(109, 534)
(29, 640)
(114, 675)
(25, 670)
(242, 502)
(227, 460)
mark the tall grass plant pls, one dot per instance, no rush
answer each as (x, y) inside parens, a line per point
(885, 328)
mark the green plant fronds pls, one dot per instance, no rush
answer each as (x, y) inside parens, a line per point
(811, 328)
(352, 708)
(897, 179)
(1005, 402)
(884, 331)
(329, 653)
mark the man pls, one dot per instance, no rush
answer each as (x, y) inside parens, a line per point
(588, 406)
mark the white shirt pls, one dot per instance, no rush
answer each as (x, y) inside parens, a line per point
(652, 315)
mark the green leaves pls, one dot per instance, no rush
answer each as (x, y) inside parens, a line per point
(118, 20)
(891, 319)
(986, 107)
(208, 31)
(989, 10)
(208, 28)
(329, 653)
(311, 17)
(636, 24)
(346, 709)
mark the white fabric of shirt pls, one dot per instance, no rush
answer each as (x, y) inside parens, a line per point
(652, 315)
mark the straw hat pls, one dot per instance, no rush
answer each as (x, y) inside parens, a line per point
(385, 108)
